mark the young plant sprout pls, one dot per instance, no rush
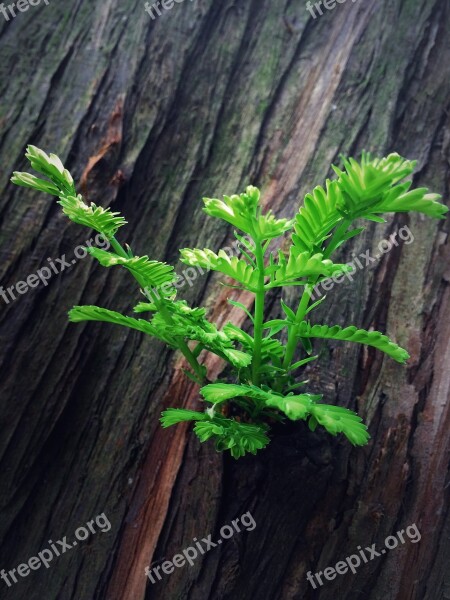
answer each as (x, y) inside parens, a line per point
(264, 379)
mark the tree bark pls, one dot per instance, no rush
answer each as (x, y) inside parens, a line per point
(150, 116)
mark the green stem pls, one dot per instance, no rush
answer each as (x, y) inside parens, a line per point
(300, 315)
(306, 296)
(118, 247)
(338, 234)
(187, 353)
(259, 316)
(182, 345)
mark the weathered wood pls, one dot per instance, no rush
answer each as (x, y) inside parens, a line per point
(151, 116)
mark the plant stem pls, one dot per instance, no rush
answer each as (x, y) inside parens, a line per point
(182, 345)
(259, 316)
(339, 232)
(118, 247)
(300, 315)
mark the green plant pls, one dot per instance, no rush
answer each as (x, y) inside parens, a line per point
(263, 368)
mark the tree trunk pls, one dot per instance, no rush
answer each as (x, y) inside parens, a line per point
(152, 115)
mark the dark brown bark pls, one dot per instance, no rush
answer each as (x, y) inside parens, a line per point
(150, 116)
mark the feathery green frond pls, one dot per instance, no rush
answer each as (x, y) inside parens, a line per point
(95, 217)
(244, 212)
(96, 313)
(193, 326)
(271, 349)
(233, 267)
(238, 438)
(219, 392)
(228, 434)
(302, 264)
(353, 334)
(61, 184)
(363, 190)
(173, 416)
(294, 407)
(152, 273)
(418, 200)
(50, 166)
(370, 186)
(317, 217)
(33, 182)
(336, 419)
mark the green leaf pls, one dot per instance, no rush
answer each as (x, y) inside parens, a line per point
(270, 349)
(218, 392)
(30, 181)
(95, 217)
(317, 217)
(242, 307)
(303, 362)
(144, 307)
(239, 211)
(277, 328)
(172, 416)
(229, 434)
(52, 167)
(274, 323)
(302, 264)
(294, 407)
(362, 189)
(95, 313)
(268, 227)
(372, 186)
(337, 419)
(191, 324)
(233, 267)
(290, 314)
(418, 200)
(243, 211)
(221, 345)
(196, 315)
(353, 334)
(237, 357)
(312, 423)
(306, 345)
(354, 232)
(246, 248)
(315, 305)
(208, 430)
(152, 273)
(375, 218)
(238, 335)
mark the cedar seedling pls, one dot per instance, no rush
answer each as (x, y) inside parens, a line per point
(264, 372)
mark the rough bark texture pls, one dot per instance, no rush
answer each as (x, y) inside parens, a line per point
(151, 116)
